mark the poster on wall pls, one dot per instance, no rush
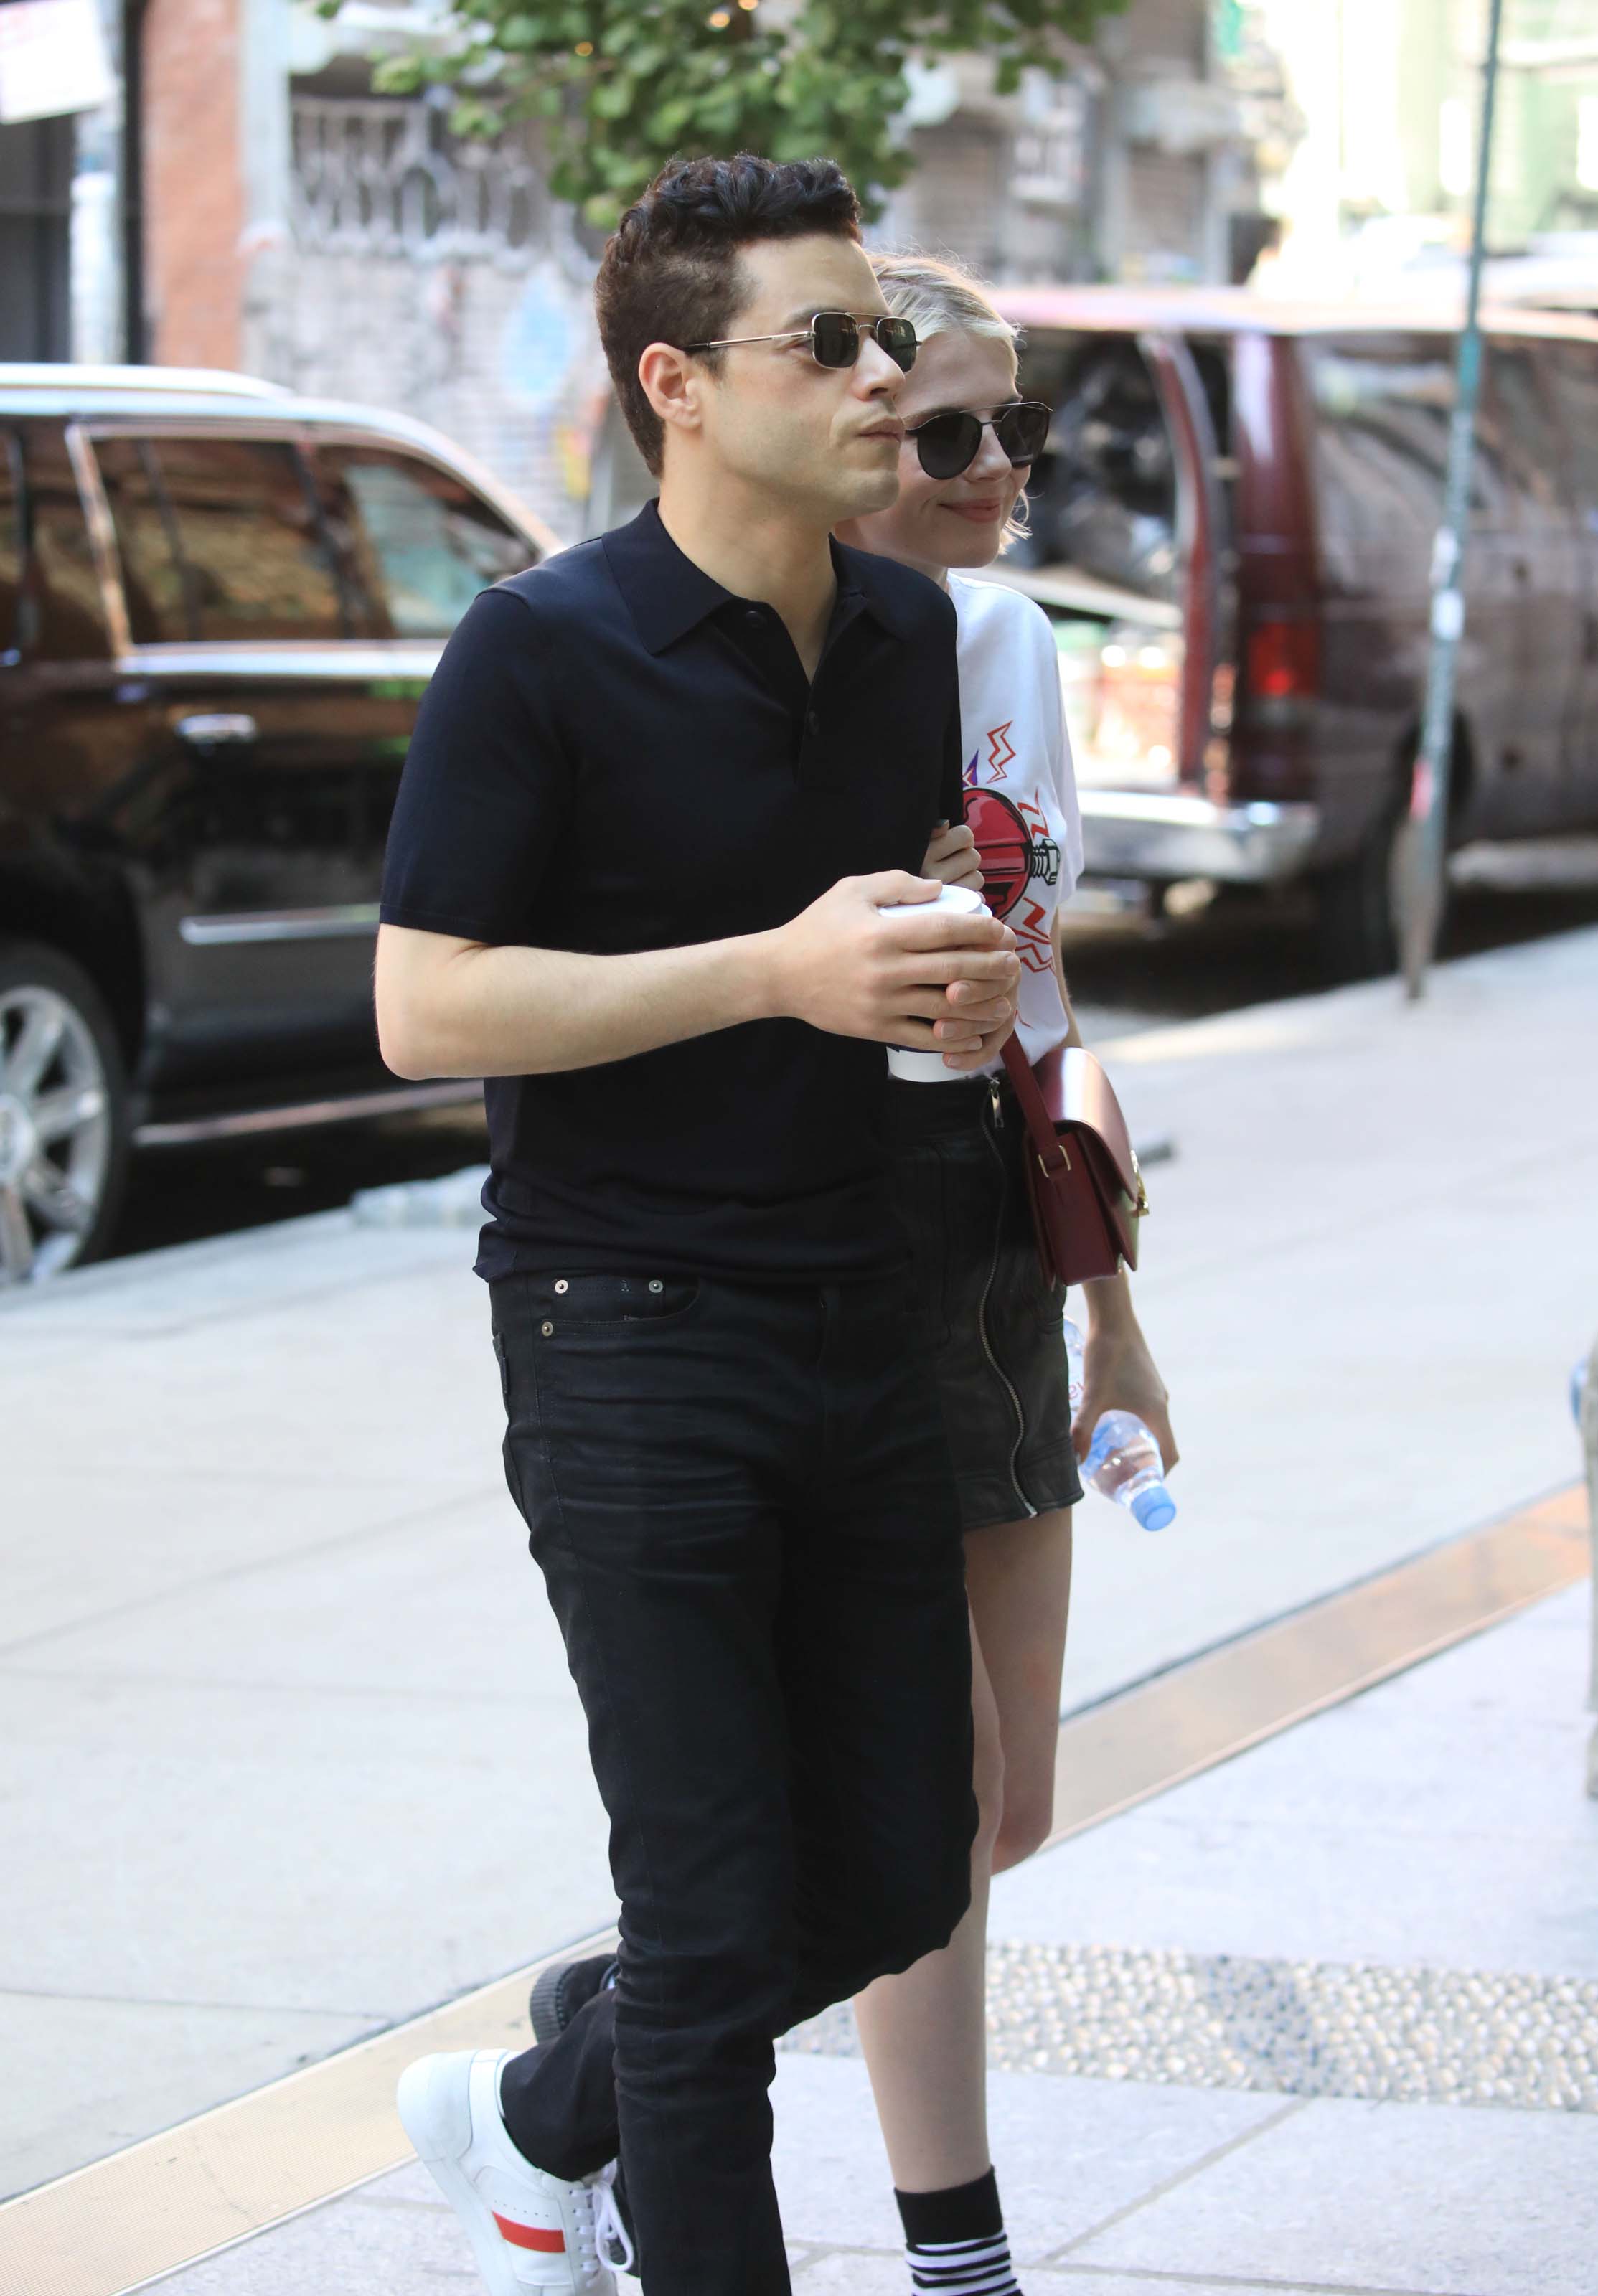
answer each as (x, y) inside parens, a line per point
(53, 60)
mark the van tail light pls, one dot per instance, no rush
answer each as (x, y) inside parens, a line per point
(1283, 662)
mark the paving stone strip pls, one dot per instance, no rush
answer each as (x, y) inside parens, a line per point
(1305, 2028)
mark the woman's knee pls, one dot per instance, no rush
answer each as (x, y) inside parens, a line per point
(988, 1779)
(1025, 1823)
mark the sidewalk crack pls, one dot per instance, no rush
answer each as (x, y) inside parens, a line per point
(1182, 2176)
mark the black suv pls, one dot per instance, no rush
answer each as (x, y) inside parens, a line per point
(218, 606)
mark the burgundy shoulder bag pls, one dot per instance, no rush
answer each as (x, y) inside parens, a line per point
(1087, 1191)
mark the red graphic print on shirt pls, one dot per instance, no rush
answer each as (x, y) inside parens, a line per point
(1015, 851)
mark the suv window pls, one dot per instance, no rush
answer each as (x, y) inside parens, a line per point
(63, 576)
(10, 544)
(421, 544)
(219, 538)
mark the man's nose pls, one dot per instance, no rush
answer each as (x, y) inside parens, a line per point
(876, 375)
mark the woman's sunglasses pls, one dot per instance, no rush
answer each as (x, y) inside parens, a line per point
(834, 338)
(948, 444)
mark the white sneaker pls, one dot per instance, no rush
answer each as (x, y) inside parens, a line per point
(528, 2231)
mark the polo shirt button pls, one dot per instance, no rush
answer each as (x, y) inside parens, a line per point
(755, 619)
(813, 721)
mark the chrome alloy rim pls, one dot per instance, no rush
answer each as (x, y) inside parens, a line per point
(55, 1133)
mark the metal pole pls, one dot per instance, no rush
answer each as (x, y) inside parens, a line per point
(1423, 853)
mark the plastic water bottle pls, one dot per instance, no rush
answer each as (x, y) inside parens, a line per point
(1073, 1361)
(1124, 1464)
(1124, 1461)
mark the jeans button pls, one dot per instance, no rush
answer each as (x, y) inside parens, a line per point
(562, 1285)
(655, 1284)
(548, 1330)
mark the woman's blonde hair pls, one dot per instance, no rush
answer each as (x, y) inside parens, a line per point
(940, 298)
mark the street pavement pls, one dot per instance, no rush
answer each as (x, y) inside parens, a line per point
(291, 1750)
(1345, 2038)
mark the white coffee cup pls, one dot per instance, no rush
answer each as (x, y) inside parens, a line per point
(953, 901)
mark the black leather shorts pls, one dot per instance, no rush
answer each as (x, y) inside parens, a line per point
(993, 1321)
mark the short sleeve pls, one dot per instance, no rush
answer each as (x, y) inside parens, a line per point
(486, 788)
(1057, 744)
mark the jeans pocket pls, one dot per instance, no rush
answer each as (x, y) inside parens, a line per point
(583, 1303)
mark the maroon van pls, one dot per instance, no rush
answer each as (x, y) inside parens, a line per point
(1231, 531)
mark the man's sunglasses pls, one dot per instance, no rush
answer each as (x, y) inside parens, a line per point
(948, 444)
(834, 339)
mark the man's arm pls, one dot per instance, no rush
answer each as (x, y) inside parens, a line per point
(459, 1008)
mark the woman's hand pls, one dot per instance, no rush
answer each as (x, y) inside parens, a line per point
(953, 857)
(1118, 1373)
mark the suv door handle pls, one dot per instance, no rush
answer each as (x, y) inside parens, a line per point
(209, 732)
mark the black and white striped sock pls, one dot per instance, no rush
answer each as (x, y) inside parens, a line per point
(954, 2241)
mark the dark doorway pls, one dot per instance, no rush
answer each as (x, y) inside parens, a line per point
(36, 211)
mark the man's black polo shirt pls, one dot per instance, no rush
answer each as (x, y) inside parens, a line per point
(618, 754)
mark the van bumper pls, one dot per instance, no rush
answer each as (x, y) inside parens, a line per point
(1132, 833)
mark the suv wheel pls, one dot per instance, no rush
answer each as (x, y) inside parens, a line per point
(64, 1121)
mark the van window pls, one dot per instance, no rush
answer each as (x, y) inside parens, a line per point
(1570, 371)
(219, 540)
(1385, 403)
(421, 543)
(1102, 499)
(1518, 410)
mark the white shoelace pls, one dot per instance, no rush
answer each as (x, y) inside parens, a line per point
(610, 2232)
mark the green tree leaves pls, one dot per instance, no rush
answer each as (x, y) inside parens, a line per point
(622, 85)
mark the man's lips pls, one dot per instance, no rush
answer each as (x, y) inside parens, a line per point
(980, 514)
(894, 430)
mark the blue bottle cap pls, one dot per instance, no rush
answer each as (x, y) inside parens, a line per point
(1154, 1508)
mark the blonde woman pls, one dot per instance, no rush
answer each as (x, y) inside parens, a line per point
(996, 1325)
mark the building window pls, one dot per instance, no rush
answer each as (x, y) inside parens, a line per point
(375, 178)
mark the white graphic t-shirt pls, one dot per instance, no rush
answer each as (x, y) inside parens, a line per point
(1020, 791)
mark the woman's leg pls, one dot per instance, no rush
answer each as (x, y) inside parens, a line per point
(1018, 1575)
(924, 2033)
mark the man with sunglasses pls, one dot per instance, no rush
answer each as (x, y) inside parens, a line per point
(660, 788)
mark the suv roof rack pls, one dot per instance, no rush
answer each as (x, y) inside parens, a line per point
(214, 382)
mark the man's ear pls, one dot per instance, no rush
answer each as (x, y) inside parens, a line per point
(672, 382)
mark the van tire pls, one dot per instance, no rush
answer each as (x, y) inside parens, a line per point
(1359, 905)
(39, 985)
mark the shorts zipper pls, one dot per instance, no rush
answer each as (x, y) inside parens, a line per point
(997, 1111)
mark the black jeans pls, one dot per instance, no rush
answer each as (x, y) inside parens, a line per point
(741, 1500)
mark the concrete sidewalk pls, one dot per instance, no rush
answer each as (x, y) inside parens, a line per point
(1323, 2020)
(291, 1751)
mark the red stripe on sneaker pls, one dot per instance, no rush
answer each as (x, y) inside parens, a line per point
(549, 2244)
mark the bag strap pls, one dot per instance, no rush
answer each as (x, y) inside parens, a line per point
(1034, 1109)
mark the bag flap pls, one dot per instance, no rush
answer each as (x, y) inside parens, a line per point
(1080, 1097)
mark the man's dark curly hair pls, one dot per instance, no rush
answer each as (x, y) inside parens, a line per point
(671, 274)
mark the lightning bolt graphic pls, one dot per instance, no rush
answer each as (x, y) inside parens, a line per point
(1000, 749)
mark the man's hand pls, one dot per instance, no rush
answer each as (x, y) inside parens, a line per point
(938, 984)
(953, 858)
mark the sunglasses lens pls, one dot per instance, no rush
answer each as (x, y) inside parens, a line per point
(896, 337)
(1023, 431)
(834, 339)
(947, 444)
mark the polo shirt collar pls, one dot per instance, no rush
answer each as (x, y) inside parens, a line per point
(667, 595)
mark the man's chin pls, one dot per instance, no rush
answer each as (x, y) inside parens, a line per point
(872, 491)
